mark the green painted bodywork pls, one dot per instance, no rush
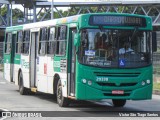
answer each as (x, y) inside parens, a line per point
(116, 77)
(14, 28)
(7, 59)
(7, 56)
(57, 63)
(17, 59)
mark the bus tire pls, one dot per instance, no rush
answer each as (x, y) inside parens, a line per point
(62, 101)
(55, 79)
(118, 103)
(22, 89)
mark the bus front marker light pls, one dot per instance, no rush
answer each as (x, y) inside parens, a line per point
(84, 80)
(148, 81)
(89, 82)
(143, 83)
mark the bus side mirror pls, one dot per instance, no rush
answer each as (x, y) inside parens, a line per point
(154, 41)
(76, 39)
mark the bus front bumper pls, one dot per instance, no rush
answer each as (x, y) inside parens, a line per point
(85, 92)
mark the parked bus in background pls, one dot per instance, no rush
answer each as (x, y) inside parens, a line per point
(83, 57)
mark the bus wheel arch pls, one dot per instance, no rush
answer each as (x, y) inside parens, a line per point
(22, 89)
(61, 100)
(57, 91)
(55, 82)
(19, 71)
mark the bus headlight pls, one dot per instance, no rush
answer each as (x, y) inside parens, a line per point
(84, 81)
(148, 81)
(89, 82)
(143, 83)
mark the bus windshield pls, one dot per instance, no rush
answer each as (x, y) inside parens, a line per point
(115, 48)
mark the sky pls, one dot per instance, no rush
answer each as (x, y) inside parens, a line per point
(20, 6)
(99, 0)
(64, 8)
(78, 0)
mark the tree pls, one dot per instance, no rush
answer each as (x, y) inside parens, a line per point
(16, 13)
(4, 11)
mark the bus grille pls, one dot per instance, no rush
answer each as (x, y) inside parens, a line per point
(114, 85)
(109, 94)
(109, 74)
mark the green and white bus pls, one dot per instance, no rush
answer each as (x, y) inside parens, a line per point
(83, 57)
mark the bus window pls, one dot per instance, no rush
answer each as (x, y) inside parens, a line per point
(61, 40)
(8, 42)
(19, 42)
(51, 42)
(26, 40)
(43, 41)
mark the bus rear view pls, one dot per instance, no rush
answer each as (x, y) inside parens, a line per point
(114, 58)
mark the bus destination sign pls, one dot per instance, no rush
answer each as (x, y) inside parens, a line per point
(117, 20)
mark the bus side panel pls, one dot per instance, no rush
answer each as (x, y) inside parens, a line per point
(50, 74)
(25, 70)
(16, 67)
(42, 73)
(60, 64)
(63, 77)
(7, 67)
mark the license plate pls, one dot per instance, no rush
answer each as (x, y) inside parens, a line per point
(118, 92)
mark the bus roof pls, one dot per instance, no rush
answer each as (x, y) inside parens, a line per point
(64, 20)
(47, 23)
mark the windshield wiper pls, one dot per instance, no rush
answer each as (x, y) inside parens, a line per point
(101, 28)
(134, 33)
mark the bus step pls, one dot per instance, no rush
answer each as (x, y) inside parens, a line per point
(34, 89)
(71, 97)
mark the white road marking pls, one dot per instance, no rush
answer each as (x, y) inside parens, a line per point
(3, 109)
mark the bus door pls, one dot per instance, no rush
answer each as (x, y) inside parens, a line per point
(71, 63)
(33, 57)
(13, 50)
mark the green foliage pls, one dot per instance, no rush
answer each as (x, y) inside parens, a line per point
(48, 15)
(156, 86)
(17, 13)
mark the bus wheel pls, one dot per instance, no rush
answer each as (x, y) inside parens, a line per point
(118, 103)
(62, 101)
(22, 89)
